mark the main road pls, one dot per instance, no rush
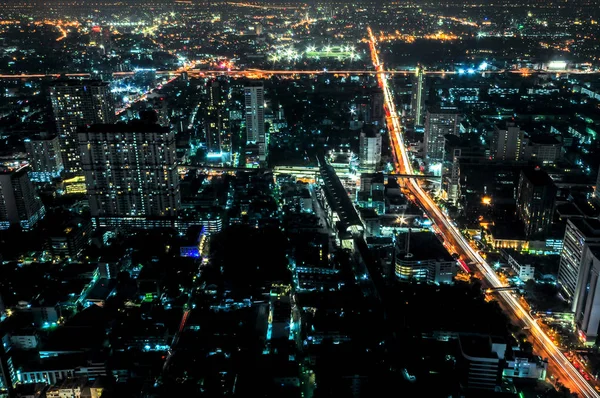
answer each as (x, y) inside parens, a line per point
(568, 374)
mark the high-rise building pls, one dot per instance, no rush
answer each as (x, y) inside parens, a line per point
(587, 300)
(78, 103)
(454, 178)
(255, 118)
(508, 142)
(536, 195)
(8, 376)
(438, 124)
(417, 100)
(370, 148)
(216, 124)
(19, 203)
(580, 234)
(377, 115)
(130, 169)
(44, 156)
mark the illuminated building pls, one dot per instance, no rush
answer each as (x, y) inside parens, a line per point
(580, 234)
(78, 103)
(8, 376)
(438, 124)
(44, 157)
(482, 362)
(417, 99)
(422, 258)
(19, 203)
(536, 195)
(587, 301)
(254, 100)
(216, 125)
(130, 169)
(507, 142)
(454, 179)
(370, 148)
(376, 100)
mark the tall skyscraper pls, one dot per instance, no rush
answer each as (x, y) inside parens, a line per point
(454, 178)
(370, 148)
(130, 169)
(218, 138)
(438, 124)
(508, 142)
(377, 115)
(19, 203)
(580, 234)
(255, 118)
(417, 101)
(536, 195)
(78, 103)
(43, 153)
(587, 300)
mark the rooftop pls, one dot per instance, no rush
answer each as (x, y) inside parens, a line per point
(537, 177)
(424, 246)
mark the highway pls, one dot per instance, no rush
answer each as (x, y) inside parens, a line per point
(260, 73)
(558, 361)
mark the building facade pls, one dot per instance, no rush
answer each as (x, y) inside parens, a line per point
(254, 100)
(78, 103)
(579, 234)
(438, 124)
(130, 170)
(417, 100)
(43, 153)
(536, 195)
(19, 202)
(587, 301)
(508, 142)
(370, 149)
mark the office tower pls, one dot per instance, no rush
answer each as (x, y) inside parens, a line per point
(19, 203)
(587, 300)
(376, 100)
(255, 118)
(438, 124)
(536, 194)
(218, 139)
(508, 142)
(130, 169)
(78, 103)
(454, 180)
(417, 97)
(580, 234)
(370, 148)
(43, 153)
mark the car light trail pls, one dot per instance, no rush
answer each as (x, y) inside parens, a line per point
(453, 236)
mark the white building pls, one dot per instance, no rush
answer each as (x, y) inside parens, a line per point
(370, 149)
(578, 235)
